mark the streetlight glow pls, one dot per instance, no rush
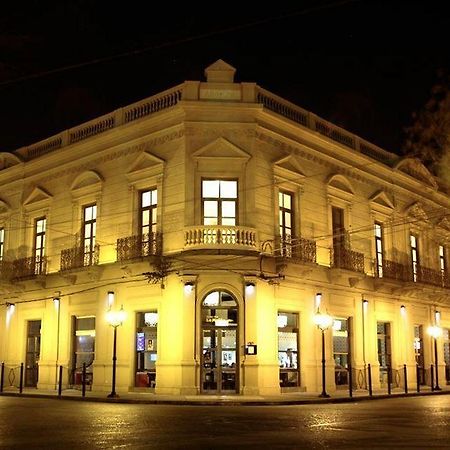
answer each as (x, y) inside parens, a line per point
(115, 318)
(323, 321)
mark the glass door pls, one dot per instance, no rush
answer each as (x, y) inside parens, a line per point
(32, 353)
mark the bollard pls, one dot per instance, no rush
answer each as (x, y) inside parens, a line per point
(389, 379)
(405, 376)
(432, 377)
(418, 378)
(350, 381)
(370, 379)
(2, 376)
(83, 381)
(21, 378)
(60, 381)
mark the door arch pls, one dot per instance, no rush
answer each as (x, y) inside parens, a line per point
(219, 337)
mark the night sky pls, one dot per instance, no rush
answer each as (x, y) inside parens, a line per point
(363, 65)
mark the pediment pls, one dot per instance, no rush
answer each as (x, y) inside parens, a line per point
(417, 212)
(340, 187)
(38, 198)
(221, 149)
(381, 202)
(8, 160)
(88, 182)
(144, 166)
(220, 71)
(288, 169)
(414, 168)
(4, 207)
(444, 224)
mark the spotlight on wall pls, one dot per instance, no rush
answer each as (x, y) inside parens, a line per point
(437, 317)
(403, 310)
(188, 287)
(318, 300)
(10, 305)
(56, 298)
(110, 298)
(365, 304)
(249, 288)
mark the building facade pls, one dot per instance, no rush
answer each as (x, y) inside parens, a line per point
(221, 218)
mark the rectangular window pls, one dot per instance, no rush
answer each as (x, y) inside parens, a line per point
(83, 348)
(384, 349)
(39, 245)
(288, 349)
(338, 228)
(414, 256)
(146, 348)
(418, 352)
(442, 264)
(219, 202)
(341, 350)
(2, 242)
(379, 249)
(89, 232)
(446, 339)
(285, 204)
(147, 221)
(33, 351)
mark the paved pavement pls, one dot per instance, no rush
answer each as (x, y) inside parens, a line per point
(291, 398)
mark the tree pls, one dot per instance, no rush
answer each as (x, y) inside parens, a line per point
(428, 138)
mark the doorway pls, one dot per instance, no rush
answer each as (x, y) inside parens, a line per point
(33, 351)
(219, 340)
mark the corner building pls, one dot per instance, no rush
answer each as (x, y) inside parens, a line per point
(222, 218)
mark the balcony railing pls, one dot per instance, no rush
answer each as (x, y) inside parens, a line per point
(78, 257)
(343, 258)
(29, 267)
(396, 271)
(5, 271)
(296, 248)
(139, 246)
(216, 236)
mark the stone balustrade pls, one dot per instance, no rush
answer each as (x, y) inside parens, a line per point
(217, 236)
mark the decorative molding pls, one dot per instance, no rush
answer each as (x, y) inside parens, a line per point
(223, 149)
(381, 203)
(417, 212)
(4, 207)
(37, 199)
(9, 160)
(288, 169)
(339, 187)
(144, 167)
(415, 169)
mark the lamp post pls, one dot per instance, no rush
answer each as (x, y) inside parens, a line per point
(114, 318)
(323, 322)
(435, 331)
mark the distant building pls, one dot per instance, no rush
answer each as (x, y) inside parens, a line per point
(223, 218)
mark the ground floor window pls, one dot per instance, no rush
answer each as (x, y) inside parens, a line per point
(341, 350)
(83, 349)
(33, 351)
(146, 348)
(384, 349)
(288, 343)
(418, 353)
(446, 338)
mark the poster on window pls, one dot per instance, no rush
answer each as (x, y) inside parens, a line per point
(150, 346)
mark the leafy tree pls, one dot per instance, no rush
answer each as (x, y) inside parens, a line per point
(428, 138)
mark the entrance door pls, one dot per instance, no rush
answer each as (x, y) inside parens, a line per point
(32, 353)
(219, 358)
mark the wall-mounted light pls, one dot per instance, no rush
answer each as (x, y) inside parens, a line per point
(318, 300)
(249, 288)
(365, 304)
(188, 287)
(437, 317)
(110, 298)
(10, 305)
(57, 298)
(403, 310)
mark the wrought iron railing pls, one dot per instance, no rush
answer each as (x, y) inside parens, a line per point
(29, 267)
(5, 271)
(78, 257)
(343, 258)
(297, 248)
(396, 271)
(139, 246)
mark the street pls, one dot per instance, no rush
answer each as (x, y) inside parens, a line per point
(36, 423)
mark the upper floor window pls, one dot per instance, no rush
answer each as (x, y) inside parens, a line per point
(2, 242)
(39, 244)
(285, 213)
(442, 261)
(337, 217)
(147, 220)
(414, 255)
(219, 202)
(89, 232)
(379, 248)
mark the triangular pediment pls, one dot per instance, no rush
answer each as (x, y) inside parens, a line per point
(414, 168)
(8, 160)
(38, 198)
(444, 223)
(288, 169)
(222, 149)
(381, 202)
(4, 207)
(144, 166)
(417, 212)
(220, 72)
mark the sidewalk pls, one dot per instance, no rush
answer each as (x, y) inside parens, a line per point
(294, 398)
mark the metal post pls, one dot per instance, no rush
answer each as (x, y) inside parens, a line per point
(2, 375)
(350, 381)
(113, 393)
(21, 378)
(370, 379)
(432, 377)
(83, 381)
(418, 377)
(405, 376)
(437, 387)
(389, 378)
(60, 381)
(324, 392)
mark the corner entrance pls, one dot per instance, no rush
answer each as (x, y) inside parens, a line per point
(219, 337)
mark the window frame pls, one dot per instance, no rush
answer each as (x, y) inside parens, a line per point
(89, 256)
(219, 201)
(39, 251)
(379, 253)
(415, 256)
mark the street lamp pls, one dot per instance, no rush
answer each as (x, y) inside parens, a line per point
(435, 331)
(323, 322)
(114, 318)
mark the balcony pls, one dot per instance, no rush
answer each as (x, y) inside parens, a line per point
(138, 246)
(344, 258)
(79, 257)
(220, 237)
(5, 271)
(28, 267)
(393, 270)
(296, 249)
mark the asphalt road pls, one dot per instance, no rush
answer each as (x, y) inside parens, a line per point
(409, 423)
